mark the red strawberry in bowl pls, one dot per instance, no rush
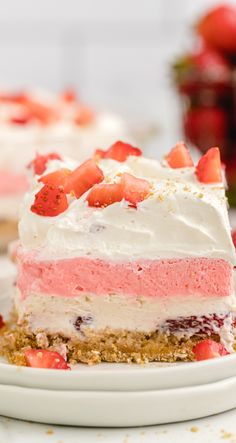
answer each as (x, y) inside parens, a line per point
(179, 156)
(44, 359)
(50, 201)
(218, 28)
(208, 169)
(207, 349)
(39, 164)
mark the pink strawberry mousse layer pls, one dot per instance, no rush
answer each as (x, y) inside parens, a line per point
(154, 278)
(12, 183)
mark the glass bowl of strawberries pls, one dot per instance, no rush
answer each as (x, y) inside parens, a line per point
(206, 81)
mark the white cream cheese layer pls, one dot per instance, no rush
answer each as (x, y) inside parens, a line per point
(181, 218)
(58, 315)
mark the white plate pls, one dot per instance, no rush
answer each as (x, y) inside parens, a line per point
(108, 409)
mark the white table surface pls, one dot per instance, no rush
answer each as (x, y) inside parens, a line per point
(216, 429)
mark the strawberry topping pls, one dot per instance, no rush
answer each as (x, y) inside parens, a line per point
(40, 358)
(130, 188)
(50, 201)
(119, 151)
(22, 119)
(208, 169)
(207, 349)
(39, 164)
(83, 178)
(179, 157)
(105, 194)
(84, 116)
(135, 189)
(56, 178)
(69, 96)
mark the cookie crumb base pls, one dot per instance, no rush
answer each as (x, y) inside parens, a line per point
(115, 346)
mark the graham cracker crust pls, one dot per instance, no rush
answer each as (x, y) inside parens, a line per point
(104, 346)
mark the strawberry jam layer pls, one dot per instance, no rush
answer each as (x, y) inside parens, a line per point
(154, 278)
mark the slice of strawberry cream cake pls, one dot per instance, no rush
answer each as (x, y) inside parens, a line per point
(124, 259)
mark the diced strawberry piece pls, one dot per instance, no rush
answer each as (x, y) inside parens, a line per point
(44, 114)
(207, 349)
(234, 238)
(50, 201)
(135, 189)
(23, 119)
(120, 151)
(16, 98)
(179, 157)
(56, 178)
(69, 96)
(105, 194)
(208, 169)
(99, 153)
(40, 162)
(84, 116)
(41, 358)
(83, 178)
(2, 323)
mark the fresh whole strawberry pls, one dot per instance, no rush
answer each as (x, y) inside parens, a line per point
(39, 164)
(207, 349)
(206, 126)
(50, 201)
(208, 169)
(179, 156)
(119, 151)
(218, 28)
(83, 178)
(56, 178)
(203, 66)
(44, 359)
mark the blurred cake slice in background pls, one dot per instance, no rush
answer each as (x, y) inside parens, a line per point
(37, 121)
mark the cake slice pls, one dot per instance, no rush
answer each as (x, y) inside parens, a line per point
(125, 259)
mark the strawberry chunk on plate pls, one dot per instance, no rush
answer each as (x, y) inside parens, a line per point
(179, 157)
(56, 178)
(208, 169)
(207, 349)
(119, 151)
(83, 178)
(50, 201)
(39, 164)
(103, 195)
(135, 189)
(40, 358)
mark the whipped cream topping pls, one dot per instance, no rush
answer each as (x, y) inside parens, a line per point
(181, 218)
